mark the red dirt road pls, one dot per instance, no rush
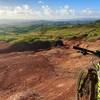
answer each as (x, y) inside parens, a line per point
(52, 74)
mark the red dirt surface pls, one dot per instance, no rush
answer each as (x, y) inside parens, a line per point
(44, 75)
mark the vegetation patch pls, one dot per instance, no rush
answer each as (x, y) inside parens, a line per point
(50, 32)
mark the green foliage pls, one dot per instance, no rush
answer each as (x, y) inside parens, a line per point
(31, 33)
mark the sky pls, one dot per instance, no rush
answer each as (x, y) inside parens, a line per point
(49, 9)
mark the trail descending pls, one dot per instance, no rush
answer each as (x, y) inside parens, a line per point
(43, 75)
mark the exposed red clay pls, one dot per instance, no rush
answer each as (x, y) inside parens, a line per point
(51, 74)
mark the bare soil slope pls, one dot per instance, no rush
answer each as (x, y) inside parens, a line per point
(45, 75)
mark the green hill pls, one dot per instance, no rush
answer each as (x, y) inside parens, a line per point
(30, 32)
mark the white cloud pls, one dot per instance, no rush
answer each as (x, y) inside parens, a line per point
(89, 13)
(45, 12)
(40, 2)
(66, 12)
(24, 10)
(18, 12)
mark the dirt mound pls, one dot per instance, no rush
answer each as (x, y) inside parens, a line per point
(20, 47)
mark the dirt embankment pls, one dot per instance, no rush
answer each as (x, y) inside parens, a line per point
(45, 75)
(20, 47)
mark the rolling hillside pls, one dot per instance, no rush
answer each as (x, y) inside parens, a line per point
(50, 30)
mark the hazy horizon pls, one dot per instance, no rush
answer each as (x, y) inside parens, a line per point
(49, 9)
(20, 21)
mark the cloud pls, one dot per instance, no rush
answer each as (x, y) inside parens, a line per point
(18, 12)
(40, 2)
(66, 12)
(88, 11)
(46, 12)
